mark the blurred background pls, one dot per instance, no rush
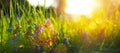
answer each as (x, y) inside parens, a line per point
(60, 26)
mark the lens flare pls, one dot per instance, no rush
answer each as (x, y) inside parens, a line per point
(78, 7)
(47, 3)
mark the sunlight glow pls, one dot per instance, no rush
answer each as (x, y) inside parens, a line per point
(47, 3)
(79, 7)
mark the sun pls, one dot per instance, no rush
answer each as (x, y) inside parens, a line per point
(80, 7)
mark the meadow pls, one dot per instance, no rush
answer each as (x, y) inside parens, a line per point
(29, 29)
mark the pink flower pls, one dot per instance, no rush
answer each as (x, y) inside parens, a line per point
(41, 29)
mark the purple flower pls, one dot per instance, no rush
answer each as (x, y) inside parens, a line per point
(11, 42)
(36, 31)
(48, 20)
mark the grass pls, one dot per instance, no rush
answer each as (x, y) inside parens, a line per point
(29, 30)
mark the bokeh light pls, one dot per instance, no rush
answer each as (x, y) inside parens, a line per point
(78, 7)
(47, 3)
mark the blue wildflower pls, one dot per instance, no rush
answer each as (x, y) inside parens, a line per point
(11, 42)
(36, 31)
(10, 29)
(66, 41)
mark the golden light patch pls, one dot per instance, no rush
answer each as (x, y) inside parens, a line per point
(78, 7)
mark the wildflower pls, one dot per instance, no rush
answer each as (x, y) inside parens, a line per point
(48, 20)
(66, 41)
(10, 29)
(41, 29)
(11, 42)
(36, 31)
